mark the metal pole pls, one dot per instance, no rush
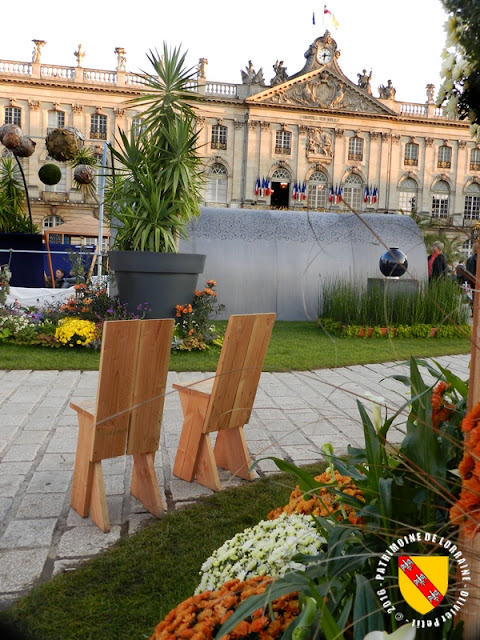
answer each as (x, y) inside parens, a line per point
(100, 208)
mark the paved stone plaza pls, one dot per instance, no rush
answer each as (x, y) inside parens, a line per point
(40, 535)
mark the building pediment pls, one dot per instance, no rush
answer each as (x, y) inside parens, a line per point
(323, 88)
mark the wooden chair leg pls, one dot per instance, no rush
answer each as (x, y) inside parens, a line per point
(194, 408)
(88, 488)
(98, 503)
(145, 484)
(206, 466)
(231, 453)
(84, 468)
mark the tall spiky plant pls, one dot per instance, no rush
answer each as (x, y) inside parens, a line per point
(154, 194)
(13, 203)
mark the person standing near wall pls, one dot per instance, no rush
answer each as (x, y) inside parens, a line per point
(471, 272)
(437, 263)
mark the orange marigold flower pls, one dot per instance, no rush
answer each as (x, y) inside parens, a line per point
(471, 419)
(441, 387)
(466, 465)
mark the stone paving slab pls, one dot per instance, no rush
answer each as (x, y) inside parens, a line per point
(294, 414)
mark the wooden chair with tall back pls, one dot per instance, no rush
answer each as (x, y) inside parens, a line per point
(223, 404)
(125, 417)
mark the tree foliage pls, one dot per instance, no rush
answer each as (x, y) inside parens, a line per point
(460, 91)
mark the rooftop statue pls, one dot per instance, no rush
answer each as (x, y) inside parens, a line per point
(250, 76)
(281, 74)
(387, 92)
(364, 81)
(37, 50)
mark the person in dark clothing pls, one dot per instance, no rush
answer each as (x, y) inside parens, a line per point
(437, 263)
(460, 273)
(471, 272)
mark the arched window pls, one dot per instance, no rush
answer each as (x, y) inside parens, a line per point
(440, 199)
(408, 195)
(60, 187)
(352, 191)
(217, 183)
(317, 191)
(411, 154)
(471, 210)
(475, 159)
(355, 148)
(56, 120)
(52, 221)
(444, 157)
(281, 175)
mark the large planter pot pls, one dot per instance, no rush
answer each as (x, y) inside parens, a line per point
(162, 280)
(26, 261)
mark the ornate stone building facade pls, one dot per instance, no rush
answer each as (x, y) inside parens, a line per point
(298, 143)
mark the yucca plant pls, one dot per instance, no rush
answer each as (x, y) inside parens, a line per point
(153, 191)
(13, 203)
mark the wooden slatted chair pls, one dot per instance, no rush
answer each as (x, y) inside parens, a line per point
(125, 417)
(223, 404)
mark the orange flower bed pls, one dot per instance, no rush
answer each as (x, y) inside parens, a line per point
(201, 616)
(466, 511)
(323, 502)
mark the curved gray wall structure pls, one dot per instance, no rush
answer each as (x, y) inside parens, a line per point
(266, 261)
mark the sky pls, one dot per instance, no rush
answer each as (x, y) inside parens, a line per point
(398, 41)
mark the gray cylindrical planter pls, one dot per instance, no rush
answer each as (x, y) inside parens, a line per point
(162, 280)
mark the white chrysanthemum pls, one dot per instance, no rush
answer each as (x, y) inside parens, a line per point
(266, 549)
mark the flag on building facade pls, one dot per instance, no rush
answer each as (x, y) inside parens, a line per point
(295, 191)
(327, 12)
(304, 191)
(257, 187)
(331, 194)
(366, 194)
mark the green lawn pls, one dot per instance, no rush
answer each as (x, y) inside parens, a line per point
(123, 593)
(300, 346)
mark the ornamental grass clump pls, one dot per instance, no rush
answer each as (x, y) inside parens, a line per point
(201, 616)
(265, 549)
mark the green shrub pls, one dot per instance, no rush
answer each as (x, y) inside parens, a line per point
(50, 174)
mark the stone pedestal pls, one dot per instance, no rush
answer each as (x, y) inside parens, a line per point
(393, 286)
